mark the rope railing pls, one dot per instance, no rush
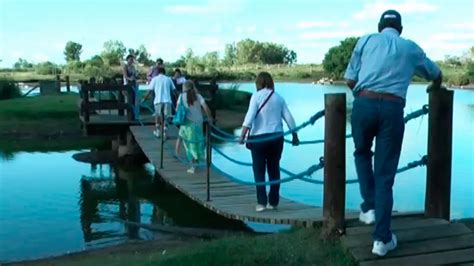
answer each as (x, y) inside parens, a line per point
(413, 115)
(232, 138)
(312, 169)
(411, 165)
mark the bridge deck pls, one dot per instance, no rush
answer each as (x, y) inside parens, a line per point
(228, 199)
(421, 241)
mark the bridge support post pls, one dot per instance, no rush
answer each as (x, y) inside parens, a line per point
(162, 138)
(58, 84)
(440, 133)
(208, 160)
(334, 164)
(68, 84)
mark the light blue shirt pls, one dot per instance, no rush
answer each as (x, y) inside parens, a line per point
(385, 62)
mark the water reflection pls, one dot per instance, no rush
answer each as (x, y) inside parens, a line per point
(135, 195)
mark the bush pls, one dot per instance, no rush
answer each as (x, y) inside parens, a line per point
(47, 68)
(458, 80)
(8, 89)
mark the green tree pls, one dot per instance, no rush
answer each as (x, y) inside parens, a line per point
(253, 52)
(290, 57)
(96, 60)
(47, 68)
(210, 60)
(248, 52)
(72, 51)
(230, 55)
(337, 58)
(22, 64)
(470, 70)
(143, 56)
(113, 53)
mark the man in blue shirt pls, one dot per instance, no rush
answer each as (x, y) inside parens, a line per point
(379, 73)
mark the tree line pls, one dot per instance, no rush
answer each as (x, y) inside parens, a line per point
(243, 52)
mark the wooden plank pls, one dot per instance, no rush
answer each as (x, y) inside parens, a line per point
(458, 257)
(411, 235)
(419, 247)
(398, 224)
(228, 199)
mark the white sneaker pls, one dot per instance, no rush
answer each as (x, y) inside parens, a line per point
(271, 208)
(381, 249)
(259, 208)
(191, 170)
(367, 217)
(156, 132)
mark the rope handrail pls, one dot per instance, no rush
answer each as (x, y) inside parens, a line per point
(233, 138)
(308, 172)
(410, 165)
(415, 114)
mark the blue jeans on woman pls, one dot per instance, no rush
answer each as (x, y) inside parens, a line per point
(266, 158)
(381, 119)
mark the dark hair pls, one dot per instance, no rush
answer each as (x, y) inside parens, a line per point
(264, 80)
(177, 70)
(130, 56)
(159, 61)
(161, 70)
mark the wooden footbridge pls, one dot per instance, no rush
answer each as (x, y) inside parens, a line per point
(424, 238)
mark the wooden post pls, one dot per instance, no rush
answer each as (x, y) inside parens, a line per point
(121, 100)
(58, 84)
(208, 160)
(440, 133)
(68, 84)
(334, 163)
(162, 138)
(85, 99)
(131, 102)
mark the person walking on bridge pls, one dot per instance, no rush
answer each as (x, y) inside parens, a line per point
(379, 73)
(263, 121)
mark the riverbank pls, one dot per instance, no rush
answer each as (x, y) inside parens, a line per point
(299, 247)
(52, 122)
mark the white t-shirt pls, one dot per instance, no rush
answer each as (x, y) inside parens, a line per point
(194, 113)
(269, 119)
(162, 86)
(181, 80)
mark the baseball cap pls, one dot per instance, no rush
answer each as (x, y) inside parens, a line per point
(391, 18)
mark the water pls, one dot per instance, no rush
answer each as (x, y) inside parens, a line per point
(409, 191)
(51, 204)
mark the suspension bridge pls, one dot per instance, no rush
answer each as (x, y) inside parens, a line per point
(426, 236)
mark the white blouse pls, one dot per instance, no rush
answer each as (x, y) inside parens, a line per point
(269, 119)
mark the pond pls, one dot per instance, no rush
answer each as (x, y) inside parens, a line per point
(409, 191)
(51, 204)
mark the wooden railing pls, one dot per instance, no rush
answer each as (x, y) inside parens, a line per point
(438, 185)
(88, 107)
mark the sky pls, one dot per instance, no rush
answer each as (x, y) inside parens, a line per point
(38, 30)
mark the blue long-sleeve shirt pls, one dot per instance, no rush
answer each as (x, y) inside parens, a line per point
(385, 62)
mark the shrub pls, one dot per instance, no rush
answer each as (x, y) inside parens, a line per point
(47, 68)
(8, 89)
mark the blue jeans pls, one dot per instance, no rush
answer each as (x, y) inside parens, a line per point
(266, 158)
(381, 119)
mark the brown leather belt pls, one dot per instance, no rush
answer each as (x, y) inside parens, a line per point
(379, 95)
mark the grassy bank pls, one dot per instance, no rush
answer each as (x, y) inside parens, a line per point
(453, 75)
(301, 247)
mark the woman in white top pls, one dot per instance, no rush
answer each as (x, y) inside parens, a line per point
(191, 132)
(264, 118)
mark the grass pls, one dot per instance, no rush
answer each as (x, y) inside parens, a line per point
(300, 247)
(302, 72)
(62, 106)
